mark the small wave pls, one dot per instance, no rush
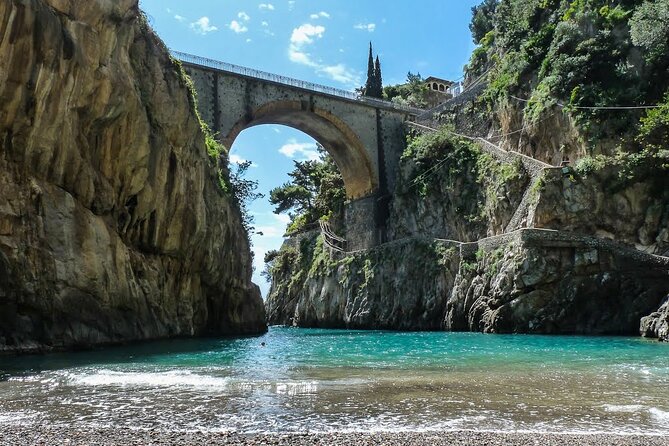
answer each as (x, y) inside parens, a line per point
(149, 379)
(17, 418)
(296, 388)
(659, 415)
(623, 407)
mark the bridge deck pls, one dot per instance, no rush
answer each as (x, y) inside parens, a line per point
(277, 78)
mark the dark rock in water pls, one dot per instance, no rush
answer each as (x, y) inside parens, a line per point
(112, 224)
(656, 325)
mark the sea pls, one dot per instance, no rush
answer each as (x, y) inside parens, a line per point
(317, 380)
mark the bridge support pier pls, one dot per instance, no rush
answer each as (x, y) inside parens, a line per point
(365, 220)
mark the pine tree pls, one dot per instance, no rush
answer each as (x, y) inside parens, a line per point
(370, 84)
(378, 82)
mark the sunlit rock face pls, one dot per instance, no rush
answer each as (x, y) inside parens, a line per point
(112, 224)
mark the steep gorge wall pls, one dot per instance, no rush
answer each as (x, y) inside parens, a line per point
(585, 269)
(529, 281)
(112, 224)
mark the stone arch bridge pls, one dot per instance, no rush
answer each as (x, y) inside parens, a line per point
(365, 136)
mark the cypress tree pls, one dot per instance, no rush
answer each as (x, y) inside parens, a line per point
(378, 82)
(370, 84)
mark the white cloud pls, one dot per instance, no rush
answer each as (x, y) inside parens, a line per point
(236, 159)
(266, 7)
(319, 15)
(237, 27)
(291, 5)
(266, 31)
(179, 18)
(300, 151)
(302, 36)
(203, 26)
(305, 35)
(249, 40)
(244, 16)
(340, 73)
(366, 26)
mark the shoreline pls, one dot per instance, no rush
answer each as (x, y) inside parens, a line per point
(54, 435)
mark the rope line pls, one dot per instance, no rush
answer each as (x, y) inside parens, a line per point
(613, 107)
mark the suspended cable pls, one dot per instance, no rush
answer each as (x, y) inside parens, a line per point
(613, 107)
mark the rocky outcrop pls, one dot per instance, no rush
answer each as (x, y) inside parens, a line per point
(529, 281)
(656, 325)
(377, 289)
(538, 281)
(455, 190)
(535, 280)
(607, 202)
(112, 224)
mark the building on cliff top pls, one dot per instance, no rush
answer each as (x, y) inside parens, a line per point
(441, 90)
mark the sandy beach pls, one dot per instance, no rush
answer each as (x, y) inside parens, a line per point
(48, 435)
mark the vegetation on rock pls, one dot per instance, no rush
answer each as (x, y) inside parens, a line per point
(413, 93)
(316, 191)
(582, 58)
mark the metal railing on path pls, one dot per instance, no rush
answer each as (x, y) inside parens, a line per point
(277, 78)
(330, 239)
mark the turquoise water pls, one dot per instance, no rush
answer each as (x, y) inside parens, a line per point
(323, 380)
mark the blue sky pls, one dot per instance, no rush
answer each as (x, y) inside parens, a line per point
(321, 41)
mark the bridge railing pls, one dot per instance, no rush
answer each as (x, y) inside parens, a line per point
(257, 74)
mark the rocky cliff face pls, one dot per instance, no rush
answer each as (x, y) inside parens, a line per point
(656, 325)
(545, 278)
(378, 289)
(112, 224)
(531, 281)
(608, 203)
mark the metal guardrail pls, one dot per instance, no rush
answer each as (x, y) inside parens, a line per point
(263, 75)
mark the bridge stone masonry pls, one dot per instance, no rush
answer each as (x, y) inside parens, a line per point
(365, 136)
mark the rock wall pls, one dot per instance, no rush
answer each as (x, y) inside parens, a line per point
(376, 289)
(112, 223)
(530, 281)
(607, 204)
(656, 324)
(454, 190)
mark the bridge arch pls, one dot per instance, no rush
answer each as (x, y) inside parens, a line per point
(332, 133)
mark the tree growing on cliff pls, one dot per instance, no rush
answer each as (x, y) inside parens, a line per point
(378, 81)
(482, 19)
(316, 189)
(413, 93)
(244, 191)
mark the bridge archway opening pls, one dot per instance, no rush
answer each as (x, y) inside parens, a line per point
(336, 137)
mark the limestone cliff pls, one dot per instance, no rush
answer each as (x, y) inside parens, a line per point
(532, 248)
(553, 163)
(530, 281)
(112, 224)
